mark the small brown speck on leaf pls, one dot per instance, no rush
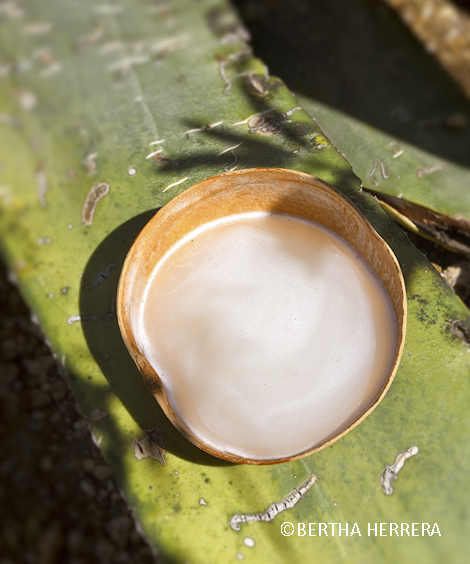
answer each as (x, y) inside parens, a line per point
(160, 158)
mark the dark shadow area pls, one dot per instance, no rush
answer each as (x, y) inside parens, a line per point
(356, 56)
(463, 5)
(255, 150)
(107, 347)
(258, 149)
(57, 485)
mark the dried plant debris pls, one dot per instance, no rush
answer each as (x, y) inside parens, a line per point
(390, 472)
(453, 232)
(287, 503)
(460, 330)
(266, 124)
(457, 275)
(160, 158)
(151, 446)
(96, 193)
(256, 84)
(444, 28)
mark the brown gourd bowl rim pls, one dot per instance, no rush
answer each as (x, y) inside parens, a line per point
(260, 189)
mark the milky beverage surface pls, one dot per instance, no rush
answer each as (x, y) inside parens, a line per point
(270, 334)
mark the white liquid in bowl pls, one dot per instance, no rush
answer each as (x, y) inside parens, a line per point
(271, 334)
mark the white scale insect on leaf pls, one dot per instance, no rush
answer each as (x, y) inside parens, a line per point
(431, 170)
(396, 152)
(390, 472)
(204, 127)
(384, 173)
(229, 149)
(175, 183)
(287, 503)
(153, 153)
(371, 174)
(231, 166)
(223, 75)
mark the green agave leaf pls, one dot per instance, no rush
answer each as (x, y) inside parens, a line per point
(379, 97)
(81, 105)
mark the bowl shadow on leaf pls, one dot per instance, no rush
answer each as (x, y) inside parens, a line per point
(101, 330)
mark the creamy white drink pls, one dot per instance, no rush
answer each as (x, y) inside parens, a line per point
(271, 334)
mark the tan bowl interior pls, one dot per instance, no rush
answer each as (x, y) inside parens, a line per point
(262, 189)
